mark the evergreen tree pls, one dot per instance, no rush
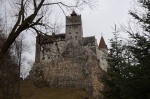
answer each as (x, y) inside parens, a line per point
(140, 49)
(116, 71)
(137, 85)
(129, 71)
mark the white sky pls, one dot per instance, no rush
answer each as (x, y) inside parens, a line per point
(101, 21)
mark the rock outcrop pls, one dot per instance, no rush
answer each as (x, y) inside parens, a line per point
(78, 68)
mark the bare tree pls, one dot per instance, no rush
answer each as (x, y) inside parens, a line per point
(8, 72)
(29, 17)
(19, 47)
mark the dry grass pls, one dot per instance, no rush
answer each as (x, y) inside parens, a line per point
(29, 91)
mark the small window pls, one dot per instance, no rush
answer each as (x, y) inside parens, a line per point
(43, 58)
(76, 36)
(76, 32)
(48, 57)
(69, 32)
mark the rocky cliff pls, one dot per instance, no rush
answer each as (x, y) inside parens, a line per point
(78, 67)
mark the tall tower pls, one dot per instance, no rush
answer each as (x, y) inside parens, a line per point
(74, 27)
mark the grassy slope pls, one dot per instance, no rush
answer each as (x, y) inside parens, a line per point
(29, 91)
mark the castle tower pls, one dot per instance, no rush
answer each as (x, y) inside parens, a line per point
(74, 27)
(102, 45)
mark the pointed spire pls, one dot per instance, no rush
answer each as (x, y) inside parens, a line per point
(102, 43)
(73, 13)
(101, 34)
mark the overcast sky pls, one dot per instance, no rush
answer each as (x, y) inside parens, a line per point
(101, 21)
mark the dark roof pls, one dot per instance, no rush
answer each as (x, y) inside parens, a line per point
(73, 13)
(102, 43)
(50, 38)
(89, 41)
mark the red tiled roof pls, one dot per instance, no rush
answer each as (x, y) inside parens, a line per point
(102, 43)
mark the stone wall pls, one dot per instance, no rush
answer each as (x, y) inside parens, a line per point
(79, 68)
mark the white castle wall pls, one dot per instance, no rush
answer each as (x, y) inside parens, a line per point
(52, 51)
(102, 56)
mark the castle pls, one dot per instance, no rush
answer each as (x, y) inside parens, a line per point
(70, 60)
(50, 47)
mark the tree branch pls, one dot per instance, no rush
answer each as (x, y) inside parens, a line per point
(59, 3)
(16, 31)
(35, 6)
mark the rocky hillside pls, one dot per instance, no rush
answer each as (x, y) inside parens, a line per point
(29, 91)
(78, 68)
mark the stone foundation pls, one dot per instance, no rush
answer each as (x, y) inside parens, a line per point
(78, 68)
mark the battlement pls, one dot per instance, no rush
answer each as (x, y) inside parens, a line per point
(79, 16)
(73, 20)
